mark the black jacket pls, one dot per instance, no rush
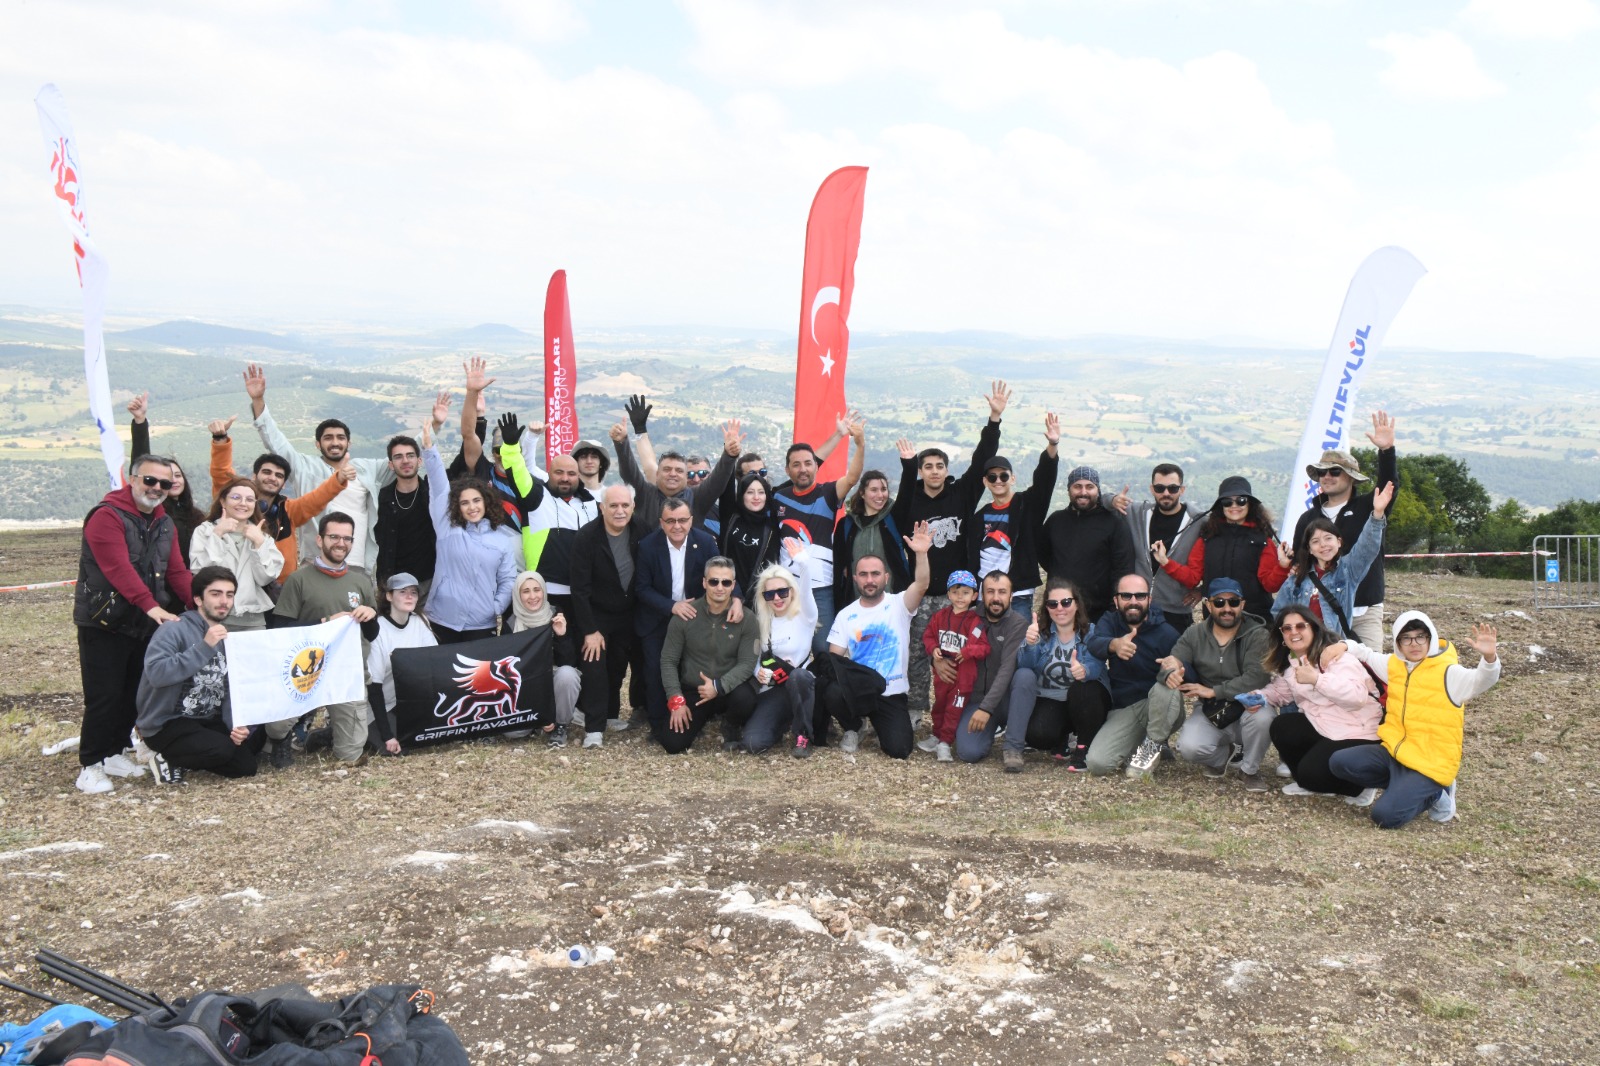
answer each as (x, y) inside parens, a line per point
(1024, 528)
(1352, 520)
(946, 512)
(600, 600)
(1092, 549)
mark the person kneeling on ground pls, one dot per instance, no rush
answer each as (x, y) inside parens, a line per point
(1132, 638)
(1216, 660)
(786, 613)
(399, 628)
(531, 602)
(184, 712)
(713, 658)
(956, 642)
(1060, 689)
(1420, 747)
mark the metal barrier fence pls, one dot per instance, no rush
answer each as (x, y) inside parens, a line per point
(1566, 571)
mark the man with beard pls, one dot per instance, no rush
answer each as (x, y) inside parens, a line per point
(987, 711)
(929, 494)
(1086, 543)
(1006, 533)
(557, 507)
(406, 542)
(806, 509)
(358, 499)
(874, 634)
(1215, 660)
(185, 716)
(1133, 637)
(1163, 519)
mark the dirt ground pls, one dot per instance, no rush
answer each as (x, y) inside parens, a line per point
(842, 910)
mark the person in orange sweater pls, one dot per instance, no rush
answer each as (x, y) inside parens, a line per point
(281, 514)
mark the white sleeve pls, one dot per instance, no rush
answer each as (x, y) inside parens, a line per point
(1462, 683)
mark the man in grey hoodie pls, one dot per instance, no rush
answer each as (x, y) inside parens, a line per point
(184, 712)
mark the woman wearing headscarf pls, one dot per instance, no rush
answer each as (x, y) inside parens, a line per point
(749, 533)
(532, 610)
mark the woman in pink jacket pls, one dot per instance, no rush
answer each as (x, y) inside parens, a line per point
(1337, 701)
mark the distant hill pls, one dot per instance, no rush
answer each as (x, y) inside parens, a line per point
(204, 336)
(489, 333)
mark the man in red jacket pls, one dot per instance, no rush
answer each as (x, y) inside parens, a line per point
(131, 578)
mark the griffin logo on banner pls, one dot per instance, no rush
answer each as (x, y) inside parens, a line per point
(478, 688)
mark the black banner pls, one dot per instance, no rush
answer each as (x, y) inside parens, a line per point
(474, 689)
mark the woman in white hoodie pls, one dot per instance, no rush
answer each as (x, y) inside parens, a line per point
(787, 689)
(233, 536)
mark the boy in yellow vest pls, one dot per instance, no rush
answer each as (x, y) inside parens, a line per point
(1420, 751)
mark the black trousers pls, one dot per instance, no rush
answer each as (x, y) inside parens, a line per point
(1083, 712)
(734, 708)
(1306, 753)
(890, 717)
(600, 697)
(445, 635)
(204, 744)
(111, 665)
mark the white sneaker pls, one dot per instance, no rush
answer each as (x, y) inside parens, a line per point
(1444, 808)
(1144, 759)
(1362, 799)
(121, 766)
(1283, 770)
(928, 744)
(1293, 789)
(92, 780)
(850, 743)
(944, 752)
(594, 740)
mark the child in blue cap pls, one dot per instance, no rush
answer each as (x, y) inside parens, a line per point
(955, 640)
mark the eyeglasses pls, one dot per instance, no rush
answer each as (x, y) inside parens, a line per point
(402, 456)
(1294, 627)
(1133, 595)
(337, 539)
(997, 477)
(699, 475)
(1166, 490)
(775, 594)
(1235, 501)
(152, 482)
(1413, 638)
(676, 521)
(719, 582)
(238, 497)
(1226, 601)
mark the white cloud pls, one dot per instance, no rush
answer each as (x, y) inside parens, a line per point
(1435, 65)
(1548, 20)
(539, 21)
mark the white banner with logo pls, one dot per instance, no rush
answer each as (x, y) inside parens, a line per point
(275, 674)
(1375, 296)
(93, 273)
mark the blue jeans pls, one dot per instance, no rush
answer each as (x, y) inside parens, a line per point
(1022, 603)
(778, 710)
(1013, 713)
(823, 594)
(1406, 793)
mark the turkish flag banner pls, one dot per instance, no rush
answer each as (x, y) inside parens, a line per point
(833, 234)
(560, 372)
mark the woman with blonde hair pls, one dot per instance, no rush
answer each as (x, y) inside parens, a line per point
(786, 693)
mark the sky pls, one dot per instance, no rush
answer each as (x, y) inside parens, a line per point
(1193, 169)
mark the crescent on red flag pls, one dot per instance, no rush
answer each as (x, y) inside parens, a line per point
(833, 235)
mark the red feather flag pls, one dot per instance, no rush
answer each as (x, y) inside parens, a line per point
(560, 372)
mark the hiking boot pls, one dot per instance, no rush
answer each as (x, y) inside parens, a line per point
(928, 744)
(594, 740)
(850, 743)
(282, 754)
(1363, 798)
(1012, 761)
(943, 753)
(1254, 782)
(121, 766)
(558, 737)
(1444, 808)
(802, 748)
(92, 781)
(1143, 760)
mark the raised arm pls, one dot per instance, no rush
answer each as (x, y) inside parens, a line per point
(478, 379)
(856, 426)
(627, 469)
(139, 441)
(1382, 438)
(709, 491)
(438, 485)
(919, 542)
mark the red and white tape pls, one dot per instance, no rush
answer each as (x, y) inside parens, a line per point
(40, 585)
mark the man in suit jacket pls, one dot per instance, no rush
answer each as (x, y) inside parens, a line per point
(670, 574)
(603, 605)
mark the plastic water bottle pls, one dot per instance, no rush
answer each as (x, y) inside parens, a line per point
(583, 955)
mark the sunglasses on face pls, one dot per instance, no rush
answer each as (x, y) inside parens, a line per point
(1294, 627)
(761, 473)
(719, 582)
(1166, 490)
(1226, 601)
(997, 477)
(1335, 473)
(1133, 596)
(699, 475)
(151, 482)
(1235, 501)
(775, 594)
(1052, 605)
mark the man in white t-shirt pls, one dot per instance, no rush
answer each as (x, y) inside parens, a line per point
(874, 633)
(400, 628)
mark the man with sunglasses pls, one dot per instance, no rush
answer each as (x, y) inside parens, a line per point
(671, 565)
(1133, 637)
(1337, 474)
(1165, 519)
(706, 663)
(1005, 533)
(1086, 542)
(131, 578)
(1216, 659)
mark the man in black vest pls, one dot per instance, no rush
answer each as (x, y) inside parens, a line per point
(131, 578)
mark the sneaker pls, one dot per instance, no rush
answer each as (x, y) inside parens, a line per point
(1363, 798)
(1238, 754)
(1293, 789)
(1167, 753)
(282, 754)
(92, 781)
(734, 745)
(802, 748)
(1283, 770)
(1077, 761)
(928, 744)
(850, 743)
(1012, 761)
(594, 740)
(1215, 773)
(1444, 808)
(615, 725)
(557, 737)
(1254, 782)
(318, 739)
(943, 752)
(1060, 757)
(1143, 760)
(121, 766)
(166, 773)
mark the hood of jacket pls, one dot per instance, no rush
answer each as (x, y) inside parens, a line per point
(1435, 646)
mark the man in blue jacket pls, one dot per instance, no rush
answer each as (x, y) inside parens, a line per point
(667, 576)
(1132, 638)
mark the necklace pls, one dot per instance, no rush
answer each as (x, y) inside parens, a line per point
(406, 506)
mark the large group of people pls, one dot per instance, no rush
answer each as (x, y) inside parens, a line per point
(799, 614)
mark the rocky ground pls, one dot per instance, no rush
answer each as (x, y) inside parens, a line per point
(842, 910)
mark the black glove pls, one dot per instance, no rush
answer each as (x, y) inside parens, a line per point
(510, 429)
(638, 414)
